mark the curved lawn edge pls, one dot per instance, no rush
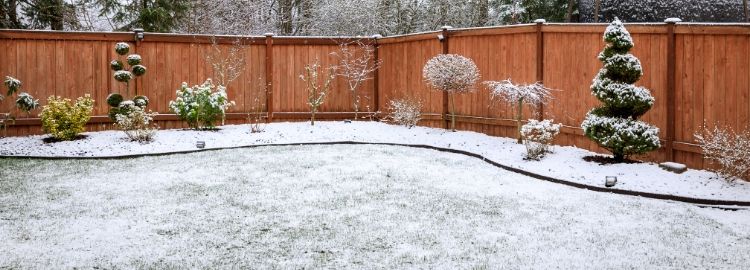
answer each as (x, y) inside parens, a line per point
(697, 201)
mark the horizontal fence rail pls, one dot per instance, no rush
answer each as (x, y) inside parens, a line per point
(698, 73)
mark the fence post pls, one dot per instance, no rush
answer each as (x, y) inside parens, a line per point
(376, 76)
(446, 110)
(269, 77)
(138, 37)
(540, 60)
(671, 101)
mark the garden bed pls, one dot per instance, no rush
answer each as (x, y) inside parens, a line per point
(565, 163)
(340, 206)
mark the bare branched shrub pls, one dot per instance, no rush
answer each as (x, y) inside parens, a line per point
(451, 73)
(318, 81)
(255, 118)
(356, 64)
(537, 137)
(728, 149)
(518, 94)
(137, 124)
(228, 64)
(405, 111)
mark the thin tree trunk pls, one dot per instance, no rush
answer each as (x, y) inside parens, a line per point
(597, 6)
(569, 14)
(484, 13)
(453, 113)
(312, 116)
(519, 115)
(56, 13)
(13, 14)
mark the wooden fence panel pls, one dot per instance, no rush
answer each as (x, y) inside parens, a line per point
(401, 75)
(712, 86)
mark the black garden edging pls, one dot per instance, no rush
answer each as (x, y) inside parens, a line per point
(705, 202)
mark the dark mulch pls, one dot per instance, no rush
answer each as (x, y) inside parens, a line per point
(54, 140)
(604, 160)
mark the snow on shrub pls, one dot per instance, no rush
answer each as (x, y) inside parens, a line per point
(122, 48)
(135, 121)
(451, 73)
(202, 105)
(728, 149)
(63, 119)
(405, 111)
(12, 84)
(517, 94)
(318, 82)
(129, 115)
(615, 125)
(24, 102)
(134, 59)
(537, 137)
(123, 76)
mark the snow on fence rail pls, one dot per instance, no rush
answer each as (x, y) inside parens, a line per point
(697, 73)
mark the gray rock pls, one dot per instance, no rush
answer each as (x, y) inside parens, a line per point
(673, 167)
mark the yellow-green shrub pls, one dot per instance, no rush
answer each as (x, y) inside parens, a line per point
(64, 120)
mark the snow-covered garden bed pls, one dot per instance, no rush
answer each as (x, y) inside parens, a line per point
(337, 207)
(565, 163)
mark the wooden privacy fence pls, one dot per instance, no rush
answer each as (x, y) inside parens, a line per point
(697, 73)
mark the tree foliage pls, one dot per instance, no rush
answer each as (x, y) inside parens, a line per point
(615, 125)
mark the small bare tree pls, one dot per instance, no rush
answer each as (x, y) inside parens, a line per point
(255, 117)
(356, 65)
(318, 81)
(507, 91)
(451, 73)
(227, 63)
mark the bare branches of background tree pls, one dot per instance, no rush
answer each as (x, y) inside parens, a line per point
(357, 64)
(227, 63)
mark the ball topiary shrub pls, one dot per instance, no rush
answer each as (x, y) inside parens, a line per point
(615, 125)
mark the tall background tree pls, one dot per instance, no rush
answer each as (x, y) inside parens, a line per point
(151, 15)
(659, 10)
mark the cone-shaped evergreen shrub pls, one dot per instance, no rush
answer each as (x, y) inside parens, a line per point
(615, 125)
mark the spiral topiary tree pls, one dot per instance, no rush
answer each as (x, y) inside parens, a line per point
(124, 74)
(615, 125)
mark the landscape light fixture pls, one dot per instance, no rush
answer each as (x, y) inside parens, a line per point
(138, 34)
(610, 181)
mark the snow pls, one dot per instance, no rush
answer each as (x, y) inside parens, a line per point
(564, 163)
(340, 207)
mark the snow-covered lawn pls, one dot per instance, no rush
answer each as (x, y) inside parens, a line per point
(566, 163)
(340, 206)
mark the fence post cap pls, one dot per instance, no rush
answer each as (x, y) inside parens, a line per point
(376, 36)
(672, 20)
(269, 34)
(138, 30)
(446, 27)
(540, 21)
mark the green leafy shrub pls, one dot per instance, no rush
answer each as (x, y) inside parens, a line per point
(63, 119)
(114, 99)
(202, 105)
(615, 125)
(116, 65)
(24, 103)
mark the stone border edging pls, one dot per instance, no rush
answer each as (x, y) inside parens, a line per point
(728, 204)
